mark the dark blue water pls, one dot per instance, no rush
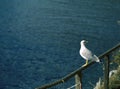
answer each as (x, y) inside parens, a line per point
(39, 39)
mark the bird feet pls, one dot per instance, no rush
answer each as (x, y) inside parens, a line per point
(84, 65)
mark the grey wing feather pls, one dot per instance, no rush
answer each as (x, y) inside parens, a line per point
(90, 56)
(96, 58)
(87, 54)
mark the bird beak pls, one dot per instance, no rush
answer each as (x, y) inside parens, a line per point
(86, 41)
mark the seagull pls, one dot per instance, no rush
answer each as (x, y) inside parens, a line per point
(87, 54)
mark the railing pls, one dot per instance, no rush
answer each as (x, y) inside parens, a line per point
(78, 73)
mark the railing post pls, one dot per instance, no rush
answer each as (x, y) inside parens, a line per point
(78, 80)
(106, 73)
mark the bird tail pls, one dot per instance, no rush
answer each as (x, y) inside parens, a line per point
(96, 58)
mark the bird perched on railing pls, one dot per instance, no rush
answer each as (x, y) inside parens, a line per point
(86, 53)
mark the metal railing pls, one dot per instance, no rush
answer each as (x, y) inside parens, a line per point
(78, 73)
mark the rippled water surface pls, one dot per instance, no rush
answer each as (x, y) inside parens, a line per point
(39, 39)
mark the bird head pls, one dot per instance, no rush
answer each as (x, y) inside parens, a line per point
(83, 42)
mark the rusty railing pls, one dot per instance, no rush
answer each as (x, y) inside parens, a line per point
(78, 73)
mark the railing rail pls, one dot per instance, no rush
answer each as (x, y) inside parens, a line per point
(77, 73)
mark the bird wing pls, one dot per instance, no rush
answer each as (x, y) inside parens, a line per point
(95, 58)
(87, 54)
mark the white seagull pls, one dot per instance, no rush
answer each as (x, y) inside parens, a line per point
(86, 53)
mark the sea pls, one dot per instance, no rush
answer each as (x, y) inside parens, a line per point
(40, 40)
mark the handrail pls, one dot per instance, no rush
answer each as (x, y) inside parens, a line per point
(67, 77)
